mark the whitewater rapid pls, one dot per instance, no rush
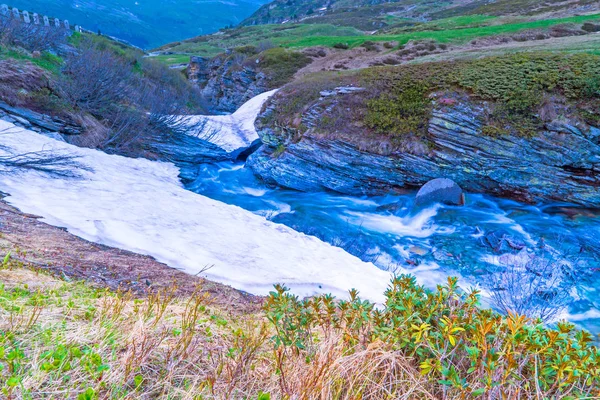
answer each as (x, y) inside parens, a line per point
(140, 206)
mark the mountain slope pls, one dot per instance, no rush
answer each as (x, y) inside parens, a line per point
(378, 14)
(146, 23)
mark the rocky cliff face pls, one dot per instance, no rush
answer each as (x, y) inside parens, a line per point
(233, 78)
(559, 163)
(229, 82)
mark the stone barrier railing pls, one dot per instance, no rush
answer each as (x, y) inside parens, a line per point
(36, 19)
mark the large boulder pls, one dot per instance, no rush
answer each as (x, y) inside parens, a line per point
(441, 190)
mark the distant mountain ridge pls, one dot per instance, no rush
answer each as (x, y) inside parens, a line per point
(146, 23)
(378, 14)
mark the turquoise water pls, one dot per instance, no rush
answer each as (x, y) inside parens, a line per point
(478, 242)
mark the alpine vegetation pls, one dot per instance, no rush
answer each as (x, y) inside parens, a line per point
(324, 199)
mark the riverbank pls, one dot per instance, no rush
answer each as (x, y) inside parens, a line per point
(46, 249)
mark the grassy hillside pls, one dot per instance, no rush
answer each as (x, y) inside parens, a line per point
(362, 14)
(212, 45)
(519, 7)
(395, 103)
(72, 340)
(374, 15)
(146, 24)
(457, 34)
(452, 30)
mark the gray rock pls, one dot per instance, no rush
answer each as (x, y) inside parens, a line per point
(226, 84)
(29, 118)
(54, 135)
(21, 121)
(341, 90)
(349, 89)
(187, 152)
(555, 165)
(563, 127)
(501, 241)
(441, 190)
(594, 134)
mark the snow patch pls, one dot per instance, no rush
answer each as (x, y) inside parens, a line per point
(140, 205)
(234, 132)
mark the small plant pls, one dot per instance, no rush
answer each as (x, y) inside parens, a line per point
(369, 45)
(419, 344)
(404, 111)
(589, 27)
(461, 351)
(537, 285)
(280, 64)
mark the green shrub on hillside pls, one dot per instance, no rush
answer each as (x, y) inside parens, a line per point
(499, 78)
(71, 340)
(406, 109)
(462, 351)
(396, 103)
(515, 83)
(280, 64)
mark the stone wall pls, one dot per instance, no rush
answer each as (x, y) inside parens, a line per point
(36, 19)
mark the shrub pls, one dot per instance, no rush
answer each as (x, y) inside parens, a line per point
(247, 50)
(589, 27)
(369, 45)
(537, 286)
(280, 65)
(341, 46)
(175, 344)
(395, 103)
(404, 111)
(95, 80)
(136, 100)
(30, 36)
(462, 351)
(515, 83)
(18, 79)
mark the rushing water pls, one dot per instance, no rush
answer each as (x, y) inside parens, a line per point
(438, 241)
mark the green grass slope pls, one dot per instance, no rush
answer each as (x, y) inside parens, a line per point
(453, 30)
(456, 35)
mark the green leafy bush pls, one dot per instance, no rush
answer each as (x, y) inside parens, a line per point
(281, 64)
(515, 84)
(406, 109)
(462, 351)
(341, 46)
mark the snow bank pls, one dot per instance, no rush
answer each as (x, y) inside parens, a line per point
(139, 205)
(234, 132)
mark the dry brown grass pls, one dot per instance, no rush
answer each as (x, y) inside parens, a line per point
(69, 340)
(77, 342)
(374, 372)
(18, 79)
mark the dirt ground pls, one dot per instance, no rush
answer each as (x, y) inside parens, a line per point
(40, 246)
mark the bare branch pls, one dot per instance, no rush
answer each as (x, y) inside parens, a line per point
(52, 162)
(535, 285)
